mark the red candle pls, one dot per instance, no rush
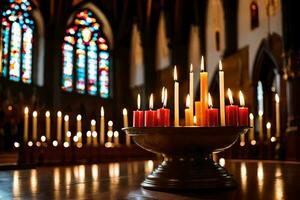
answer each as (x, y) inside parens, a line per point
(163, 114)
(243, 111)
(232, 111)
(150, 115)
(212, 114)
(138, 115)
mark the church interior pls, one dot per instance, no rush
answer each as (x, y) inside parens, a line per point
(149, 99)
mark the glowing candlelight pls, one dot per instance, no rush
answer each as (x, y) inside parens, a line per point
(176, 98)
(93, 130)
(251, 133)
(116, 138)
(203, 93)
(48, 126)
(66, 127)
(191, 92)
(102, 127)
(34, 126)
(187, 112)
(26, 123)
(277, 110)
(88, 138)
(222, 96)
(260, 124)
(269, 134)
(125, 124)
(58, 128)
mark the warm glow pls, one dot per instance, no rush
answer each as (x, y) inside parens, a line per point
(43, 138)
(220, 65)
(139, 102)
(38, 144)
(9, 108)
(66, 118)
(110, 123)
(210, 104)
(94, 134)
(79, 134)
(125, 112)
(75, 138)
(69, 133)
(251, 116)
(162, 95)
(59, 114)
(66, 144)
(253, 142)
(78, 117)
(242, 100)
(34, 114)
(222, 162)
(195, 119)
(30, 143)
(16, 144)
(47, 113)
(55, 143)
(276, 98)
(260, 113)
(102, 111)
(88, 134)
(151, 102)
(109, 134)
(165, 97)
(93, 122)
(202, 64)
(116, 134)
(175, 73)
(242, 144)
(268, 125)
(229, 94)
(187, 102)
(191, 68)
(273, 139)
(26, 110)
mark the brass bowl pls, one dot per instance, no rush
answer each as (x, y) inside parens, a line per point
(187, 152)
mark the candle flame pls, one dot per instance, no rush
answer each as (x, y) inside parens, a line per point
(110, 123)
(66, 118)
(26, 110)
(151, 102)
(47, 114)
(165, 97)
(102, 111)
(202, 64)
(251, 116)
(210, 104)
(162, 95)
(195, 120)
(220, 65)
(191, 68)
(187, 103)
(268, 125)
(59, 113)
(78, 117)
(276, 98)
(34, 114)
(93, 122)
(175, 73)
(242, 100)
(139, 101)
(229, 94)
(260, 113)
(125, 111)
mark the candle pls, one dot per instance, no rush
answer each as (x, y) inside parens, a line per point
(116, 138)
(93, 131)
(198, 112)
(48, 134)
(163, 114)
(150, 115)
(59, 123)
(94, 135)
(78, 125)
(34, 125)
(188, 120)
(110, 134)
(203, 93)
(260, 124)
(251, 133)
(277, 110)
(138, 115)
(268, 126)
(66, 127)
(125, 124)
(26, 117)
(102, 127)
(243, 111)
(191, 92)
(88, 138)
(231, 111)
(212, 114)
(176, 99)
(110, 125)
(79, 136)
(222, 96)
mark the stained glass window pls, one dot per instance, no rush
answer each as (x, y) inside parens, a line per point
(86, 57)
(17, 38)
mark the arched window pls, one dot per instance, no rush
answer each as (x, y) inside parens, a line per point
(254, 15)
(86, 57)
(17, 41)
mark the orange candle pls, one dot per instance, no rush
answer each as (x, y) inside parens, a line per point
(188, 119)
(198, 112)
(203, 93)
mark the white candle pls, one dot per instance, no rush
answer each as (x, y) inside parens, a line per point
(89, 138)
(26, 117)
(277, 104)
(48, 125)
(110, 125)
(58, 128)
(116, 138)
(176, 99)
(125, 124)
(95, 138)
(268, 126)
(110, 134)
(78, 128)
(251, 133)
(222, 96)
(191, 93)
(34, 126)
(66, 127)
(260, 124)
(93, 130)
(102, 127)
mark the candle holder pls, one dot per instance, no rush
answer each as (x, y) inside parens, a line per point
(187, 163)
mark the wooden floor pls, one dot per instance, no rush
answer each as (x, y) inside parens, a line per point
(257, 180)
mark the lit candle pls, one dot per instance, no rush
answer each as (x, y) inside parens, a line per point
(268, 126)
(212, 114)
(222, 96)
(66, 127)
(26, 117)
(110, 134)
(59, 124)
(243, 111)
(110, 130)
(88, 138)
(138, 115)
(125, 124)
(191, 92)
(94, 135)
(93, 130)
(251, 133)
(48, 133)
(231, 111)
(150, 115)
(34, 126)
(176, 99)
(198, 112)
(277, 109)
(116, 138)
(187, 111)
(163, 114)
(79, 133)
(260, 124)
(102, 127)
(203, 93)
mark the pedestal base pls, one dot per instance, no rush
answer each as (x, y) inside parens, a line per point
(188, 173)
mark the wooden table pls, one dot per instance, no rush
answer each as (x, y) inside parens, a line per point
(257, 180)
